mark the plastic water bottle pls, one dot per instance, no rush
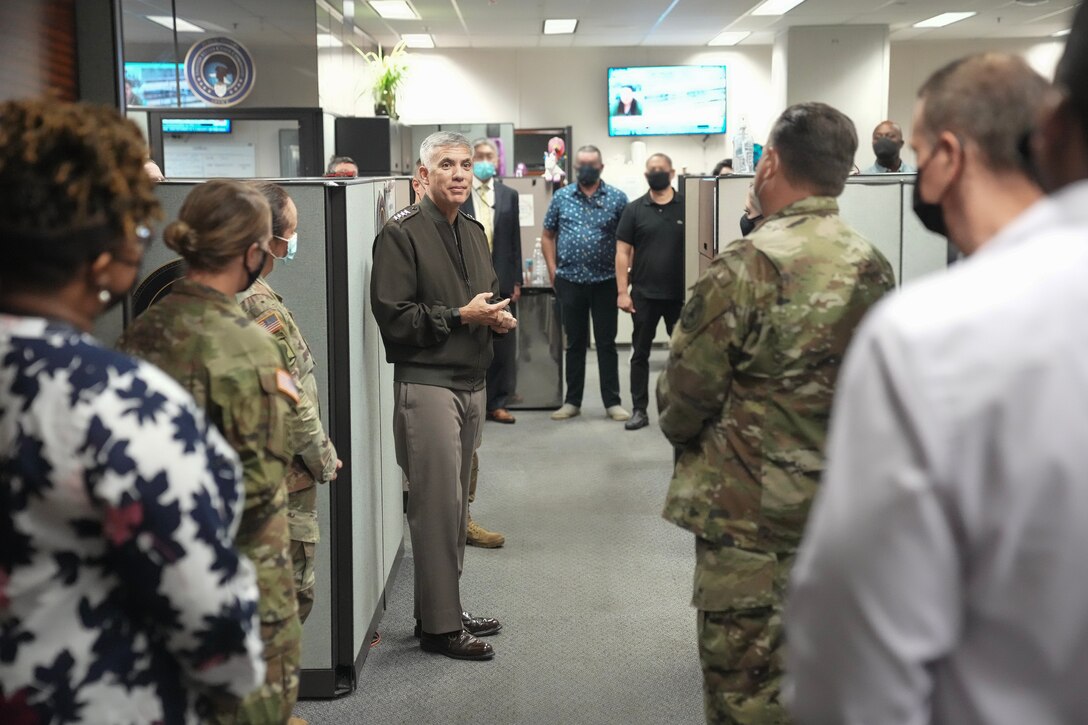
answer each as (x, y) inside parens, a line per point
(540, 274)
(529, 270)
(742, 150)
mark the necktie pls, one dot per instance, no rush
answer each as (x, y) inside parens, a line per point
(485, 213)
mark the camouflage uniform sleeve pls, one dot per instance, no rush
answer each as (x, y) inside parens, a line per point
(310, 441)
(307, 434)
(255, 404)
(714, 326)
(256, 307)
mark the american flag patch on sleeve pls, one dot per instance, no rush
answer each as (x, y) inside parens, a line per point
(271, 322)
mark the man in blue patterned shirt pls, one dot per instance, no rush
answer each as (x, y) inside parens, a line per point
(579, 245)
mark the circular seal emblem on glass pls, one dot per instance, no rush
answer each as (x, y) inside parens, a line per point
(220, 71)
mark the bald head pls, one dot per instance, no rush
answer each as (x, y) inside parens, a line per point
(889, 129)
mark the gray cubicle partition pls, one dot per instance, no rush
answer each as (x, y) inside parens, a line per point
(361, 514)
(879, 207)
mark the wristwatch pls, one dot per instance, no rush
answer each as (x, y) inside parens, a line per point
(455, 319)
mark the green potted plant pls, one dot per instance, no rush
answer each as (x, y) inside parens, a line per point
(389, 71)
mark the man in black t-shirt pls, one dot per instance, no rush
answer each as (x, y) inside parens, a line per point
(652, 231)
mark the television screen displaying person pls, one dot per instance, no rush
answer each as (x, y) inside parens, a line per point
(627, 105)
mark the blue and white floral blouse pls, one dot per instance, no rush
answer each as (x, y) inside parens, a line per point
(122, 599)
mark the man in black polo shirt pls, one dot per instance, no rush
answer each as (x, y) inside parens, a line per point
(652, 231)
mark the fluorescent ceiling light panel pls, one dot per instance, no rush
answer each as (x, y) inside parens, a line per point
(184, 26)
(327, 40)
(1061, 33)
(939, 21)
(418, 40)
(564, 26)
(776, 7)
(394, 9)
(729, 38)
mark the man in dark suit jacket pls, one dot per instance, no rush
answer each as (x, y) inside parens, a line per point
(496, 207)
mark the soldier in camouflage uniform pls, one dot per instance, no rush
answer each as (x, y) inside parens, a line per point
(746, 398)
(315, 461)
(201, 337)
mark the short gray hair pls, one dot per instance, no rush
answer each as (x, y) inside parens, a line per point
(484, 142)
(439, 140)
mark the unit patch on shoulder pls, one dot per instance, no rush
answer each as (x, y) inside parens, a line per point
(404, 213)
(692, 315)
(271, 322)
(286, 385)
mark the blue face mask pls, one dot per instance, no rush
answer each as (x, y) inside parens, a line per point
(292, 247)
(483, 170)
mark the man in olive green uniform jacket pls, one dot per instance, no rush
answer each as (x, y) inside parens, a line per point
(315, 458)
(430, 285)
(747, 394)
(235, 371)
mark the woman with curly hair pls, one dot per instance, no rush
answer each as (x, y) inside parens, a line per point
(122, 598)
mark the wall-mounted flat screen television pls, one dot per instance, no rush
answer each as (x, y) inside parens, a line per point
(196, 125)
(666, 100)
(155, 85)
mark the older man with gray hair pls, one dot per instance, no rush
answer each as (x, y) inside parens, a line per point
(432, 279)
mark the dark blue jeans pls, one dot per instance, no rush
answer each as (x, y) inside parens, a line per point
(577, 303)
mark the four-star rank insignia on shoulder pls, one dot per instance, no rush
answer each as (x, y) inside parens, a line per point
(404, 213)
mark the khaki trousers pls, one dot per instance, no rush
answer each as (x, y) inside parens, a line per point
(436, 430)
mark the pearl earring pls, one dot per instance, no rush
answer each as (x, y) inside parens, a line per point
(104, 296)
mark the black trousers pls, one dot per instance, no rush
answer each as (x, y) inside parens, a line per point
(502, 376)
(577, 302)
(648, 313)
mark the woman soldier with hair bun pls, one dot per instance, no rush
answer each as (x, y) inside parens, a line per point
(199, 335)
(122, 598)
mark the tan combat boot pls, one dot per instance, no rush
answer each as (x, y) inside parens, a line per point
(479, 536)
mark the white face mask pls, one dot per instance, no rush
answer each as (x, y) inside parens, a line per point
(292, 247)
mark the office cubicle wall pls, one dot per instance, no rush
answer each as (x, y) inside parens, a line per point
(370, 405)
(880, 208)
(361, 514)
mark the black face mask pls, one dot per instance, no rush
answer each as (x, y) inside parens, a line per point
(885, 149)
(588, 175)
(748, 225)
(253, 274)
(931, 215)
(658, 180)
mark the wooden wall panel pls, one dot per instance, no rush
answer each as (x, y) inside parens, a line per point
(38, 55)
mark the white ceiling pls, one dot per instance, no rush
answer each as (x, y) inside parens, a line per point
(518, 23)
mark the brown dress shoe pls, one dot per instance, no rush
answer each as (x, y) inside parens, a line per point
(459, 645)
(476, 626)
(501, 415)
(480, 626)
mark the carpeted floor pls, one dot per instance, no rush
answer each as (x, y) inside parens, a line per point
(592, 588)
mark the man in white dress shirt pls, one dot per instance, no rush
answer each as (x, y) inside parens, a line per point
(943, 577)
